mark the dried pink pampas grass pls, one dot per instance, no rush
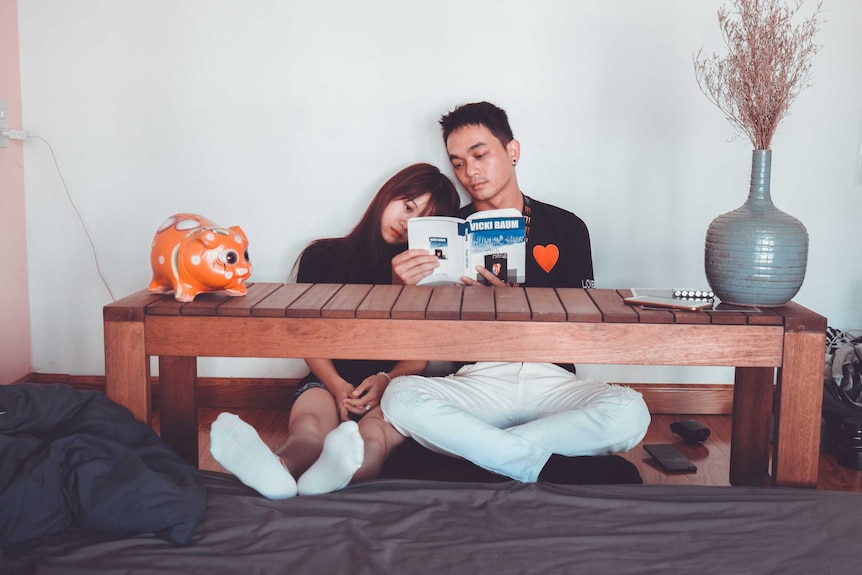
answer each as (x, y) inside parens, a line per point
(767, 65)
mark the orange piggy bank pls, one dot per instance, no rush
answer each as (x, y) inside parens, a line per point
(192, 255)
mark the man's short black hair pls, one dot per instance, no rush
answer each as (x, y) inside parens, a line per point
(478, 114)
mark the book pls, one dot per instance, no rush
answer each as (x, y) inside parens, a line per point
(681, 299)
(495, 239)
(650, 301)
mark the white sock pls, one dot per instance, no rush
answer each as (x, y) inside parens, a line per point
(239, 449)
(343, 452)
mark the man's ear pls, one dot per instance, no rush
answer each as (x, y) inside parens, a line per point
(514, 150)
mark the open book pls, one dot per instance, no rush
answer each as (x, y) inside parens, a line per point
(495, 239)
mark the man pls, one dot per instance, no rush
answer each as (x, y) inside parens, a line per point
(484, 154)
(522, 420)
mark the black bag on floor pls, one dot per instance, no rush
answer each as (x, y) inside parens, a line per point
(842, 384)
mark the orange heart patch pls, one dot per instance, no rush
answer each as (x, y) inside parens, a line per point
(546, 256)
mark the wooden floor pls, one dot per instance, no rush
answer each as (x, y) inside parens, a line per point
(712, 458)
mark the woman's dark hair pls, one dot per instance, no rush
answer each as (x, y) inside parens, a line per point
(362, 253)
(478, 114)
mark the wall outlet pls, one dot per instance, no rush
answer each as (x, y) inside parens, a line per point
(4, 123)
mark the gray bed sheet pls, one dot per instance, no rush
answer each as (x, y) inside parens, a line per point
(413, 526)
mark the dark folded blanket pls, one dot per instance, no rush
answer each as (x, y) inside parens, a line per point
(69, 457)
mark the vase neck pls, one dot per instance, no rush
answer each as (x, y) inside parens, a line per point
(761, 168)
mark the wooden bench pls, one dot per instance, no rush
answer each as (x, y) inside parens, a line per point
(456, 323)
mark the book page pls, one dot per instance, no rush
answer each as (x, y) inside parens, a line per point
(445, 237)
(497, 241)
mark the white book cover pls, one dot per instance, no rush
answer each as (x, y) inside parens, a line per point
(495, 239)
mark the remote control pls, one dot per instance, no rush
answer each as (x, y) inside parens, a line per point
(670, 458)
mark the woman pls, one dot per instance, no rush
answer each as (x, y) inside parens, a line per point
(325, 447)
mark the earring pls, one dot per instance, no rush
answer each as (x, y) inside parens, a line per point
(514, 162)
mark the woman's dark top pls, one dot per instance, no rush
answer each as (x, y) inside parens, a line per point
(316, 266)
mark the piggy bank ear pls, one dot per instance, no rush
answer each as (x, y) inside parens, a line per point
(210, 239)
(238, 230)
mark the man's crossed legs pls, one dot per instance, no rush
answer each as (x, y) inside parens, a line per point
(510, 418)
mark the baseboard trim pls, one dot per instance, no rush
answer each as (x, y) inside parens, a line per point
(24, 379)
(214, 392)
(277, 393)
(687, 398)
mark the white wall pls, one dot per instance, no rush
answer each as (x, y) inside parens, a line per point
(284, 117)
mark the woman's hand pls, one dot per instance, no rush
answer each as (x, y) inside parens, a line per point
(366, 396)
(410, 266)
(342, 392)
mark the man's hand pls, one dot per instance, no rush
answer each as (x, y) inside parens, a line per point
(493, 280)
(409, 267)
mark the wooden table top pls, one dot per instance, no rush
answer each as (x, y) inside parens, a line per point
(456, 302)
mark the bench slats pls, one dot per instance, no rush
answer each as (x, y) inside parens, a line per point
(312, 301)
(578, 305)
(445, 302)
(766, 317)
(344, 303)
(478, 304)
(165, 305)
(378, 303)
(242, 306)
(205, 304)
(545, 305)
(275, 304)
(612, 306)
(439, 303)
(130, 308)
(512, 304)
(412, 303)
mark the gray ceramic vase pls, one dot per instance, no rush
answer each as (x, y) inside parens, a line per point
(756, 255)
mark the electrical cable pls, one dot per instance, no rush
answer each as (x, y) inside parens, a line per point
(77, 212)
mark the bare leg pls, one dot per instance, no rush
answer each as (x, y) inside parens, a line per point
(351, 453)
(341, 457)
(312, 417)
(380, 439)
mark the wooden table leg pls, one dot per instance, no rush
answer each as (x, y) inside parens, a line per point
(177, 405)
(127, 367)
(752, 422)
(796, 452)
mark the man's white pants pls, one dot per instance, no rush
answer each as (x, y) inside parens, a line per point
(510, 417)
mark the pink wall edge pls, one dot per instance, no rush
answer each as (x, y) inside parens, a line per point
(15, 334)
